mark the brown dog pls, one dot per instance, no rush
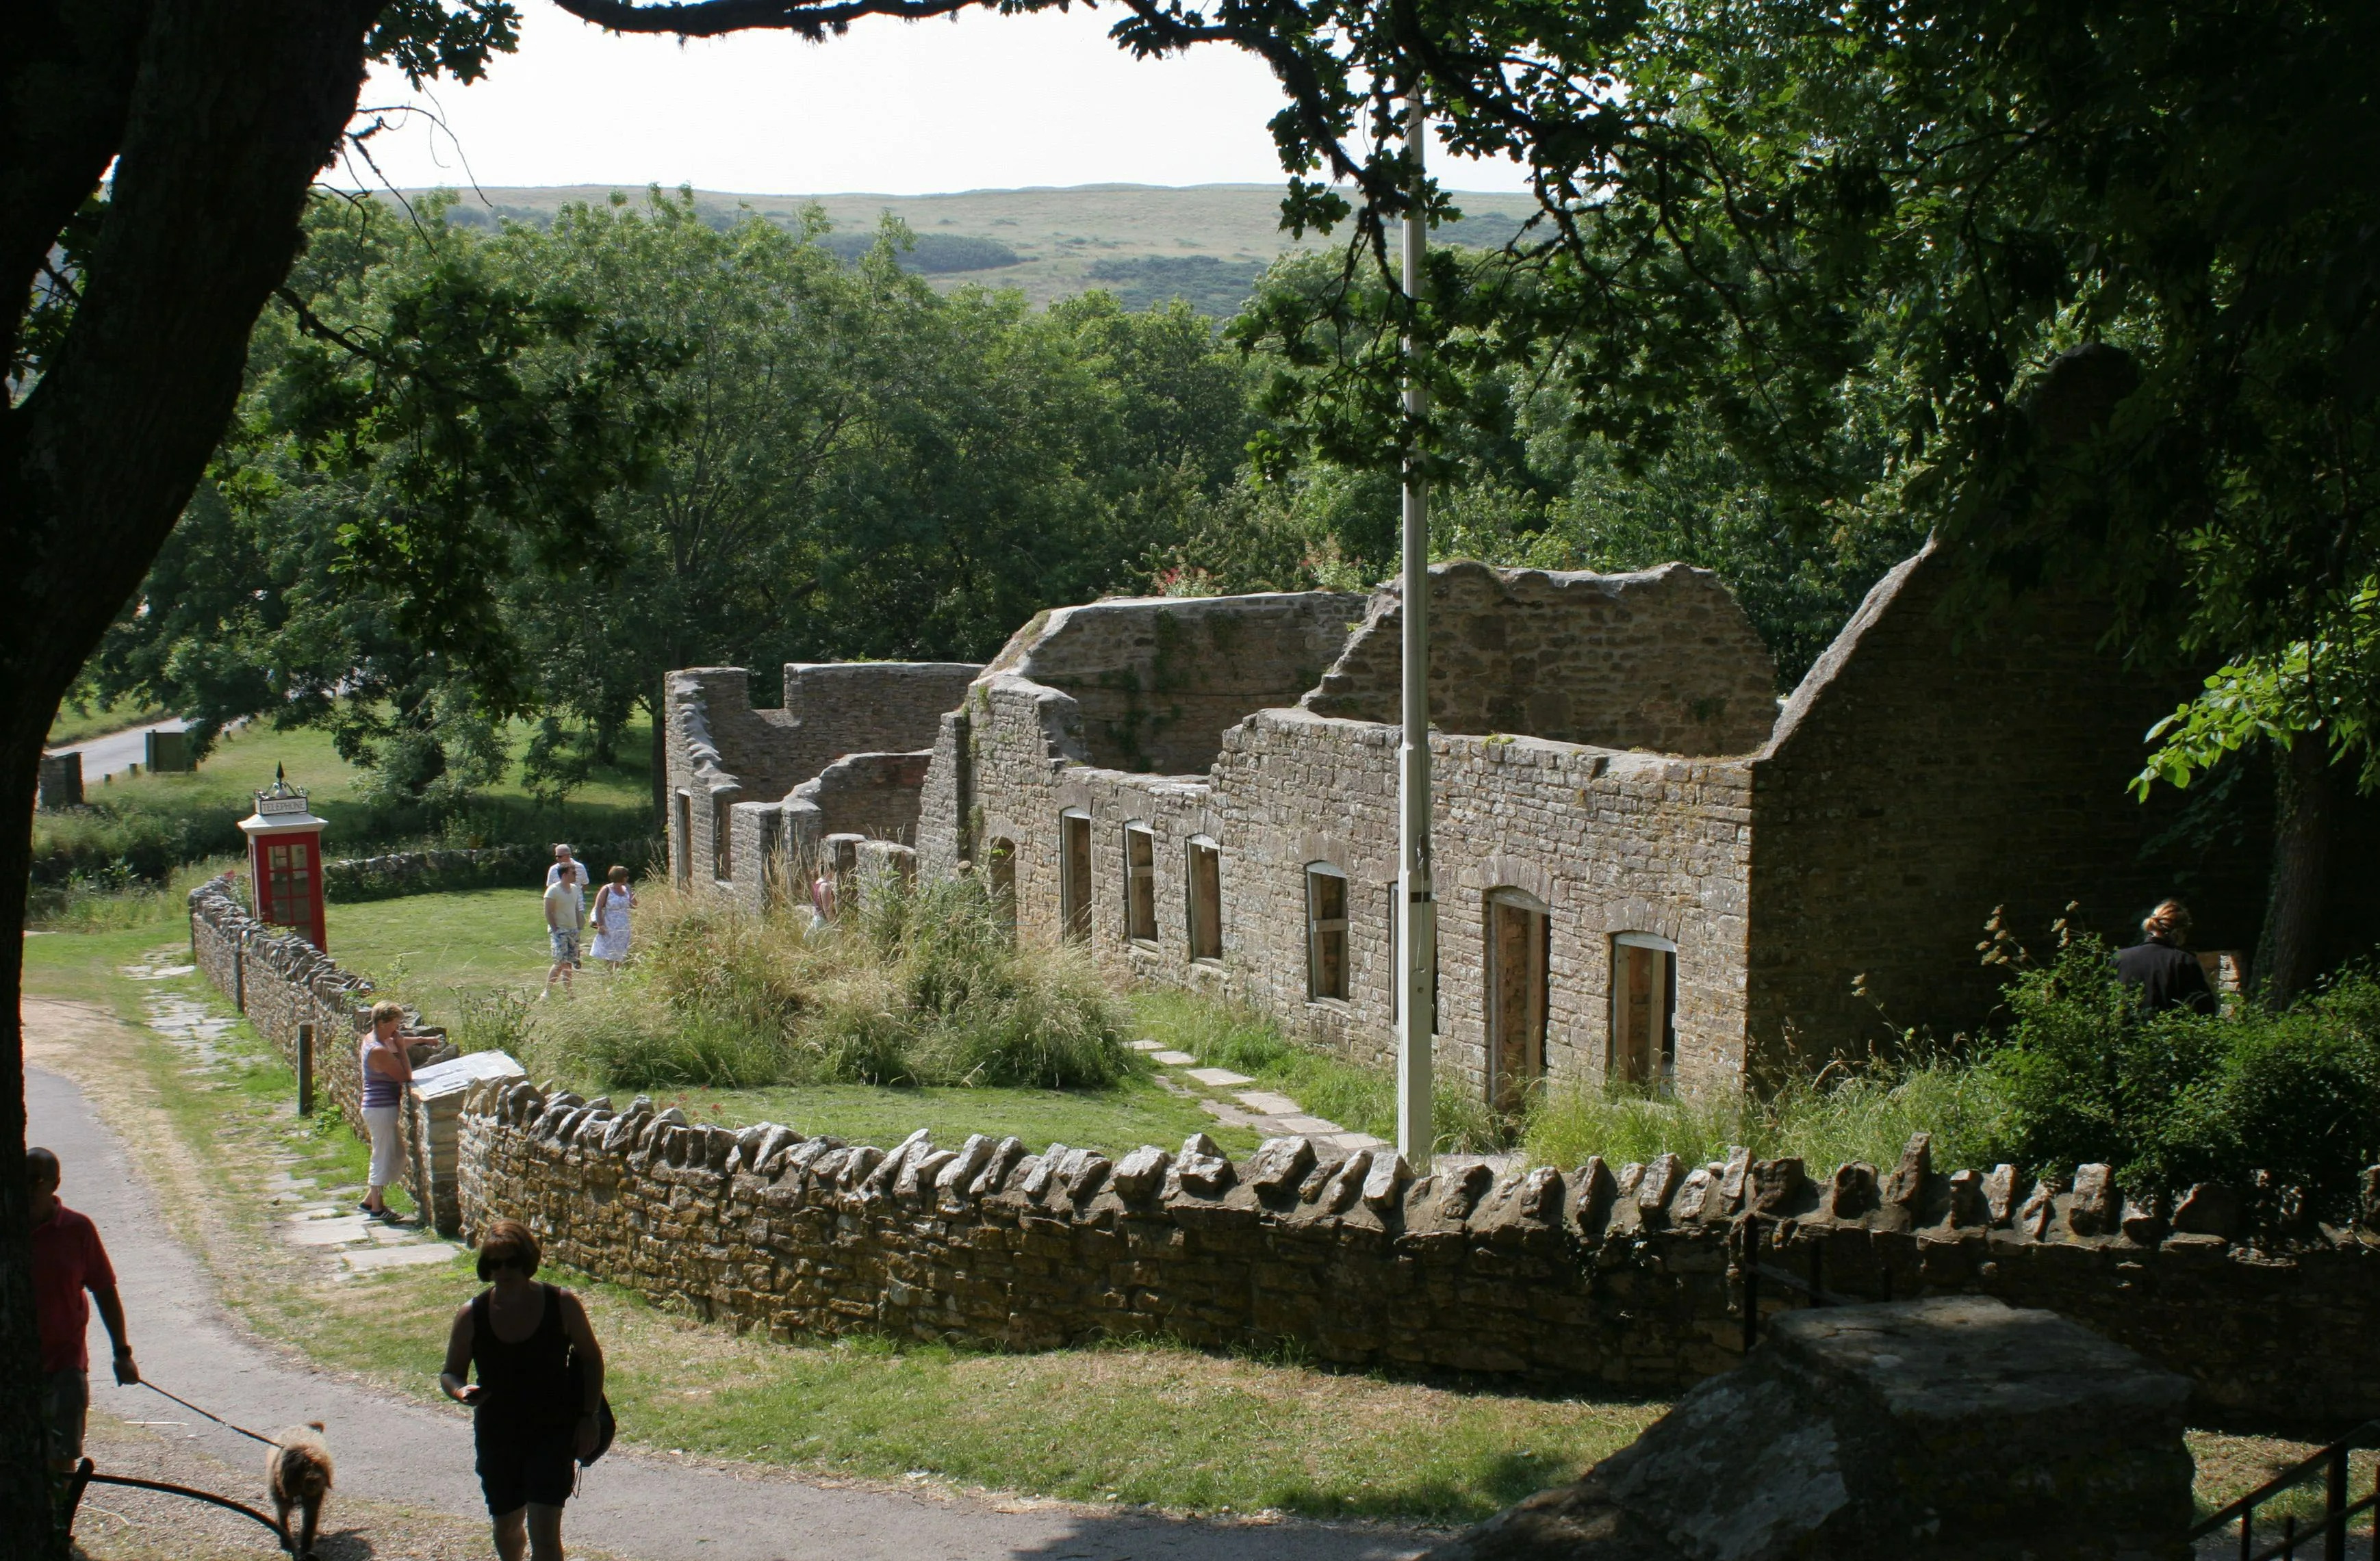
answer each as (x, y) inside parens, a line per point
(298, 1470)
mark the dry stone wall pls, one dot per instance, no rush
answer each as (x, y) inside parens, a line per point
(1629, 1277)
(280, 981)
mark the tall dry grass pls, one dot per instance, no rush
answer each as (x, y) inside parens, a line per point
(918, 984)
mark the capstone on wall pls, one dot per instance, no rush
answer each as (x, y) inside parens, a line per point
(1629, 1276)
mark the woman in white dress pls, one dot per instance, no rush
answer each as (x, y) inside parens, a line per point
(613, 903)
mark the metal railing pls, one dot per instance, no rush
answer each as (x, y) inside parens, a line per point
(2338, 1511)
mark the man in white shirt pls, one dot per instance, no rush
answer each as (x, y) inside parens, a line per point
(572, 875)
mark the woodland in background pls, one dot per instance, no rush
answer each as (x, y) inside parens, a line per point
(650, 441)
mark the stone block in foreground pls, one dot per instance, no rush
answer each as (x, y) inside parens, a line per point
(1953, 1428)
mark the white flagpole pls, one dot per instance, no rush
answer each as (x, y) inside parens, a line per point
(1416, 907)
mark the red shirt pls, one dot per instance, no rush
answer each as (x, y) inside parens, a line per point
(67, 1260)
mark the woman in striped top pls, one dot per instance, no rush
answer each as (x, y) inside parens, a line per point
(386, 1071)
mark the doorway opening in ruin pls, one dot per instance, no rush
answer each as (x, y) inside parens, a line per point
(723, 848)
(1139, 883)
(1205, 910)
(999, 865)
(685, 841)
(1519, 938)
(1326, 933)
(1643, 1010)
(1075, 873)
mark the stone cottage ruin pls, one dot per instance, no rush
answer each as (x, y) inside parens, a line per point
(1650, 867)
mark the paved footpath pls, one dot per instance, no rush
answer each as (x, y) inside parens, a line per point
(629, 1506)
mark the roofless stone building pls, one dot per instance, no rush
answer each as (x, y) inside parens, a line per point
(1651, 868)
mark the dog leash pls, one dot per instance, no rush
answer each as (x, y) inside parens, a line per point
(210, 1414)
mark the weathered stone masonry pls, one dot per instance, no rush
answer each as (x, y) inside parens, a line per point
(280, 981)
(733, 766)
(1611, 775)
(1627, 1277)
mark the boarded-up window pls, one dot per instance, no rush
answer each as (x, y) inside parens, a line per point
(1518, 931)
(1139, 883)
(1644, 1010)
(685, 840)
(1074, 875)
(1000, 861)
(722, 843)
(1326, 932)
(1206, 899)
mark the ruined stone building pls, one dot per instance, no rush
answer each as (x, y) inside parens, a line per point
(1649, 867)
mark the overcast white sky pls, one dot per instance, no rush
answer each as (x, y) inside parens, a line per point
(982, 101)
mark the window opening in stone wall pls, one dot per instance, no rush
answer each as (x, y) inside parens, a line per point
(1204, 911)
(1074, 875)
(1000, 863)
(685, 841)
(1518, 937)
(723, 846)
(1326, 933)
(1644, 1010)
(1139, 883)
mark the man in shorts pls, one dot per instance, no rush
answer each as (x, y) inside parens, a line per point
(567, 870)
(69, 1261)
(562, 919)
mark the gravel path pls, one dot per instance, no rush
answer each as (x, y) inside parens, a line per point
(630, 1506)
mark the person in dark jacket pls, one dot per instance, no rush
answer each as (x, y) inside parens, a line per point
(535, 1415)
(2166, 975)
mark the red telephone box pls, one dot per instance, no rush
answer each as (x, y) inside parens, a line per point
(285, 859)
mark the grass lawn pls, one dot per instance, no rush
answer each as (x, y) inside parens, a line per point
(432, 947)
(155, 821)
(97, 721)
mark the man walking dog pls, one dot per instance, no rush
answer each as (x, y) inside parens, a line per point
(69, 1261)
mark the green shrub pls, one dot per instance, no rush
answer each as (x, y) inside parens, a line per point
(2178, 1098)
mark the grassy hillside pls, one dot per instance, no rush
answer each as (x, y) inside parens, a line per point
(1145, 243)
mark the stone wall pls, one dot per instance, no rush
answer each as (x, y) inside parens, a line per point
(1663, 660)
(871, 794)
(1625, 1277)
(280, 981)
(1923, 775)
(1155, 681)
(722, 752)
(1606, 842)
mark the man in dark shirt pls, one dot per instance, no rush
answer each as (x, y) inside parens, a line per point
(67, 1261)
(2166, 975)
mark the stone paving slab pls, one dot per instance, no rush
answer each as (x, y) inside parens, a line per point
(1172, 1059)
(1220, 1078)
(1229, 1115)
(1309, 1127)
(1146, 1045)
(406, 1257)
(329, 1230)
(1353, 1141)
(1267, 1104)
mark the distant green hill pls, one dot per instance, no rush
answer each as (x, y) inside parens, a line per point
(1145, 243)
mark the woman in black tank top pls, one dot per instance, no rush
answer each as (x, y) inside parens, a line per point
(535, 1411)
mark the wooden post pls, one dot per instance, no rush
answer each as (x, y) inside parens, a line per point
(305, 1068)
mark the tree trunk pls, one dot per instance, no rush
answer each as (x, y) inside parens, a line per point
(2304, 795)
(230, 113)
